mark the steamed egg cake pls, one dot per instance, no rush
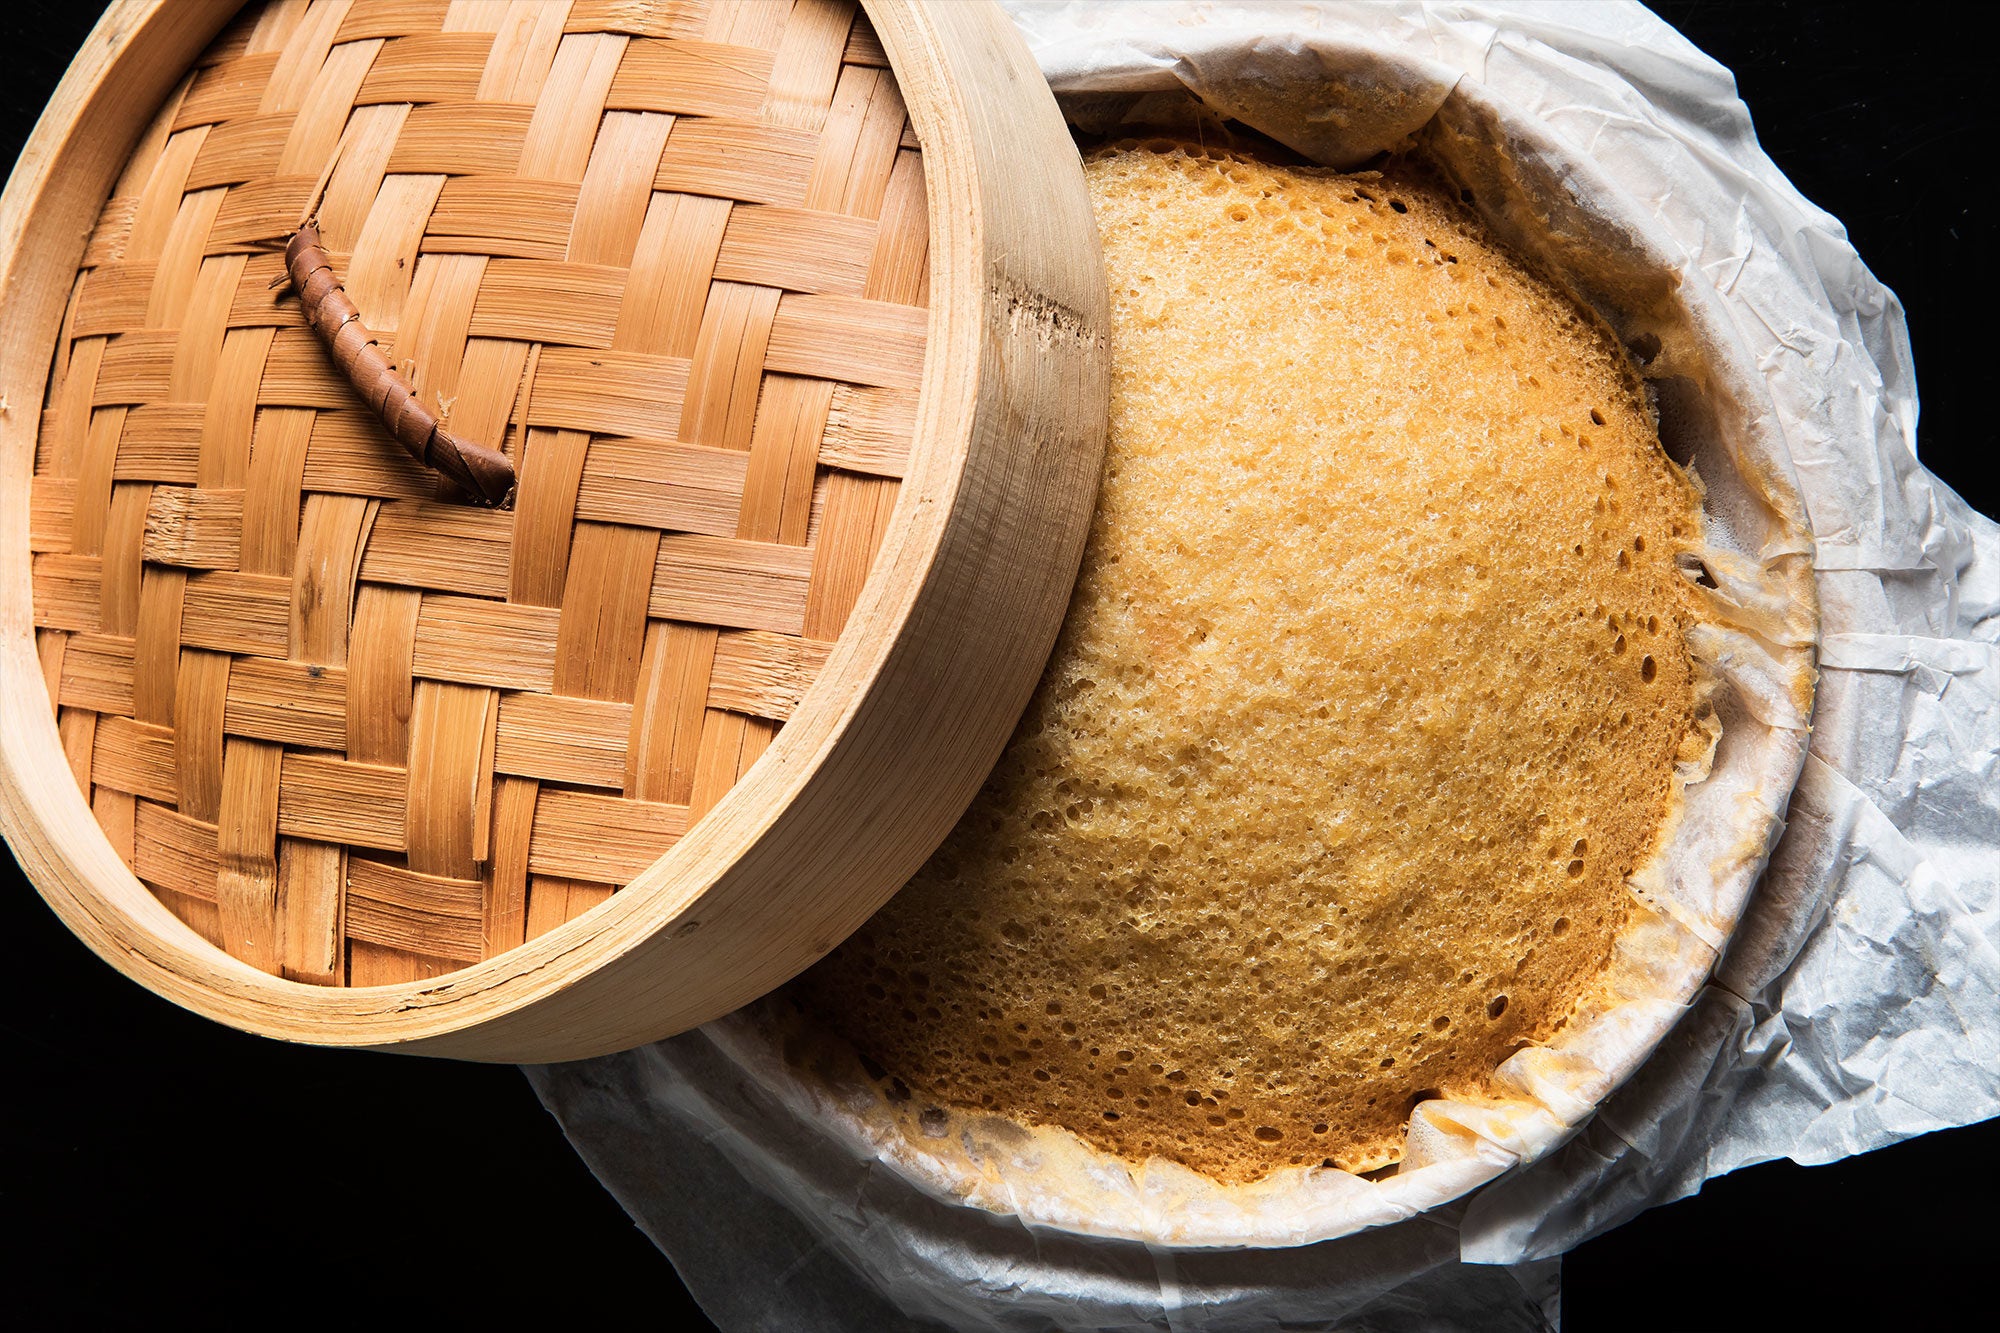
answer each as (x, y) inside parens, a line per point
(1368, 700)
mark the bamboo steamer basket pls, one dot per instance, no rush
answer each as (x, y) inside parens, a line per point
(791, 320)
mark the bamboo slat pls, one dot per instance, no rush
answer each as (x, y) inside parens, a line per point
(505, 216)
(426, 67)
(581, 741)
(690, 78)
(229, 612)
(122, 564)
(583, 834)
(731, 583)
(229, 418)
(554, 901)
(201, 694)
(312, 910)
(617, 187)
(113, 229)
(246, 886)
(292, 703)
(869, 430)
(114, 299)
(240, 150)
(551, 467)
(174, 851)
(670, 700)
(380, 683)
(472, 138)
(97, 674)
(505, 645)
(91, 515)
(334, 800)
(226, 92)
(134, 758)
(673, 18)
(358, 176)
(68, 590)
(196, 529)
(763, 674)
(741, 160)
(685, 487)
(847, 338)
(78, 733)
(414, 913)
(609, 392)
(160, 442)
(394, 18)
(272, 489)
(51, 649)
(448, 814)
(449, 548)
(116, 813)
(155, 652)
(504, 918)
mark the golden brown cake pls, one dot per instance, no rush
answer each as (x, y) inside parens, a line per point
(1368, 701)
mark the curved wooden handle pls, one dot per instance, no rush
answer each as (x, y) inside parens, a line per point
(484, 473)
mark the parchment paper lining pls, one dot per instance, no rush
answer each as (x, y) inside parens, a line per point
(1859, 999)
(1755, 644)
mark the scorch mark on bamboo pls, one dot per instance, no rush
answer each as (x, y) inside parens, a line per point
(484, 473)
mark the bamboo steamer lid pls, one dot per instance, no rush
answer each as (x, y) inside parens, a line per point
(790, 320)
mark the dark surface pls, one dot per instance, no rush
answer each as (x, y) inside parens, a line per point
(155, 1162)
(1882, 115)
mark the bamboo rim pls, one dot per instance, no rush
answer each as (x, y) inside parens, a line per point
(884, 750)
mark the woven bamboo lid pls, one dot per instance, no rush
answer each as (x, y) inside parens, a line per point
(790, 325)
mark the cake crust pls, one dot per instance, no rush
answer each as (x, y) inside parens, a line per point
(1371, 698)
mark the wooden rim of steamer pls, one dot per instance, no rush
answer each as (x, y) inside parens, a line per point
(883, 751)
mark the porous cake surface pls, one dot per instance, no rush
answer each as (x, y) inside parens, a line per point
(1369, 697)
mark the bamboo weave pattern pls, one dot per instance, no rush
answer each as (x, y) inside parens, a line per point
(671, 256)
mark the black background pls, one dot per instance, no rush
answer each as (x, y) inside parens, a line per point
(153, 1162)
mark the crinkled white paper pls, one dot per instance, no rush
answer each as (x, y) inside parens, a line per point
(1859, 1002)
